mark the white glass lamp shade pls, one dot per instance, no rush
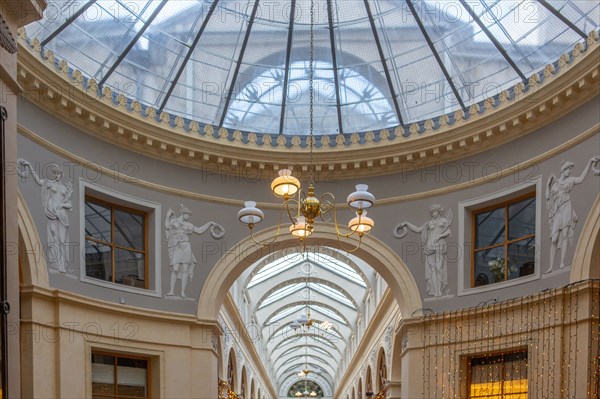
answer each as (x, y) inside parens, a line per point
(300, 229)
(306, 393)
(285, 184)
(298, 394)
(313, 394)
(250, 214)
(361, 198)
(303, 319)
(361, 224)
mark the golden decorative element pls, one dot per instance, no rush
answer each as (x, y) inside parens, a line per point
(223, 133)
(414, 129)
(369, 136)
(251, 138)
(195, 127)
(209, 130)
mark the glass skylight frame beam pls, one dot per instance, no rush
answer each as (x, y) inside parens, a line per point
(133, 42)
(288, 60)
(436, 54)
(558, 15)
(238, 65)
(188, 55)
(336, 78)
(384, 62)
(68, 22)
(494, 41)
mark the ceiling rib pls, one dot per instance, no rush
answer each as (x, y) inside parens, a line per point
(288, 60)
(335, 67)
(133, 42)
(239, 62)
(493, 40)
(188, 55)
(383, 62)
(558, 15)
(435, 53)
(68, 22)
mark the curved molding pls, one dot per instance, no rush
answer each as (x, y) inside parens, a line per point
(375, 253)
(33, 266)
(54, 86)
(583, 258)
(516, 168)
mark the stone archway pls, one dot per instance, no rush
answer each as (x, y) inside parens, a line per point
(587, 252)
(378, 255)
(32, 261)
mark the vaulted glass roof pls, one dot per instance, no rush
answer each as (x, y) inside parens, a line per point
(244, 64)
(327, 285)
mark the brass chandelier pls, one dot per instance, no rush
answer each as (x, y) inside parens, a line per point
(303, 208)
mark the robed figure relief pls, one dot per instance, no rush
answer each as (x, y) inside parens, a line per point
(562, 218)
(56, 200)
(433, 241)
(182, 259)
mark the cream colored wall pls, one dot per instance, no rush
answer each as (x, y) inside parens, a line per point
(15, 13)
(59, 330)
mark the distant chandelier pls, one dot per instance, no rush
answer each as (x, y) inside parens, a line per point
(303, 208)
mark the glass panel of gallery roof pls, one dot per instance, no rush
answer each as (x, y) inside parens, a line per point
(245, 64)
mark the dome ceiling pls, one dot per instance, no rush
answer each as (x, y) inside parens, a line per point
(378, 63)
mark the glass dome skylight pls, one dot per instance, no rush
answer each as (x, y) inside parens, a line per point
(378, 63)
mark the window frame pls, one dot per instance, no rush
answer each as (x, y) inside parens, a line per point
(465, 239)
(119, 355)
(506, 242)
(154, 235)
(492, 355)
(113, 207)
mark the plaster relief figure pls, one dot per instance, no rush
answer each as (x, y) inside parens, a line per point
(56, 200)
(433, 240)
(182, 260)
(561, 216)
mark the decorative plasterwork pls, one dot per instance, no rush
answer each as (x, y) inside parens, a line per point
(515, 169)
(7, 41)
(64, 92)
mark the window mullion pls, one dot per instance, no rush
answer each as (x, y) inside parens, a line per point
(112, 239)
(506, 227)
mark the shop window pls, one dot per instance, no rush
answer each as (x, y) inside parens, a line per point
(500, 376)
(116, 242)
(504, 238)
(120, 376)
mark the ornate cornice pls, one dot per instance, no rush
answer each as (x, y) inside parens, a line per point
(54, 86)
(512, 170)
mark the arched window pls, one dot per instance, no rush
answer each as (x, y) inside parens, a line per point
(369, 385)
(244, 386)
(360, 389)
(231, 370)
(381, 370)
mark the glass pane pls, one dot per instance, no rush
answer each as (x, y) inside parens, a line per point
(521, 258)
(103, 374)
(97, 222)
(489, 266)
(98, 260)
(129, 230)
(489, 228)
(129, 268)
(521, 219)
(132, 375)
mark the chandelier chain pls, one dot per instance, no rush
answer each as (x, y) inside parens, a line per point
(311, 89)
